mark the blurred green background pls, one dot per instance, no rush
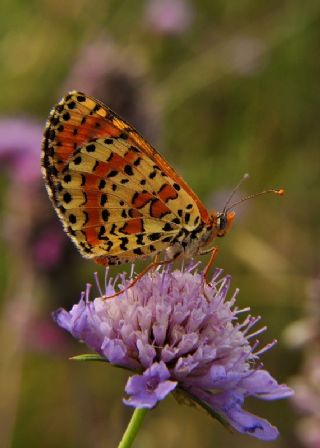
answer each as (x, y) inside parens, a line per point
(220, 88)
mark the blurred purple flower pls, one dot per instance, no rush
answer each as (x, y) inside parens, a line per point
(305, 334)
(108, 72)
(41, 336)
(48, 248)
(179, 333)
(168, 16)
(26, 224)
(20, 140)
(307, 400)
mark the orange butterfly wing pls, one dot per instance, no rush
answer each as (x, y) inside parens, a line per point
(118, 199)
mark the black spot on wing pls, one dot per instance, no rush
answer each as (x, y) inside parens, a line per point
(124, 241)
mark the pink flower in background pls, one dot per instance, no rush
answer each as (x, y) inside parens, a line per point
(168, 16)
(108, 72)
(305, 334)
(307, 401)
(47, 249)
(26, 224)
(20, 142)
(41, 336)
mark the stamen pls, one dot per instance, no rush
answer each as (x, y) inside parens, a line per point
(252, 322)
(216, 275)
(106, 272)
(96, 278)
(257, 333)
(245, 323)
(87, 293)
(192, 266)
(254, 346)
(242, 310)
(266, 348)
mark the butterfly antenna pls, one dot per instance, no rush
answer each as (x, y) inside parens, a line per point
(279, 192)
(236, 188)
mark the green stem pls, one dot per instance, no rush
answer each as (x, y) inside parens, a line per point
(132, 428)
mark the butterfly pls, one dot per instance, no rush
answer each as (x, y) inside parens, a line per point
(118, 199)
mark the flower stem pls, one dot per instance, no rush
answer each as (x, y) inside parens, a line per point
(132, 428)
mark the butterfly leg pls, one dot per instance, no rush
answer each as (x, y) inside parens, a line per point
(156, 261)
(154, 264)
(214, 252)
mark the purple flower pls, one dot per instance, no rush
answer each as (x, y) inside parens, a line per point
(307, 399)
(179, 334)
(106, 71)
(19, 148)
(305, 333)
(48, 247)
(169, 17)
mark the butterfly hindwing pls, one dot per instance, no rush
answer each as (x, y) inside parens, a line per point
(115, 195)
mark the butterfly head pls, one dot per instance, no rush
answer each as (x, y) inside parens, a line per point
(222, 222)
(218, 225)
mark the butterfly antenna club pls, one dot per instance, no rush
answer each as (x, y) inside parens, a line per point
(279, 192)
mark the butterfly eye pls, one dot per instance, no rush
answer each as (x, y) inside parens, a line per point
(222, 222)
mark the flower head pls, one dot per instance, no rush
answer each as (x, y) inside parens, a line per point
(179, 333)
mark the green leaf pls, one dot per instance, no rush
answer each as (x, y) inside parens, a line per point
(88, 357)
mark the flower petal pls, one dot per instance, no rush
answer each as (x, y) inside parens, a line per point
(261, 384)
(115, 351)
(139, 396)
(147, 389)
(228, 406)
(247, 423)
